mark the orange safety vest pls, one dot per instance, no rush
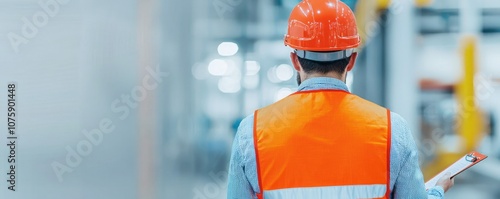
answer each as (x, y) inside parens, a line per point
(323, 144)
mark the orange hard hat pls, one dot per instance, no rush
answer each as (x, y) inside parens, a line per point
(322, 25)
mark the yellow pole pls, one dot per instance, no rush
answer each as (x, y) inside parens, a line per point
(469, 117)
(383, 4)
(423, 3)
(368, 15)
(366, 18)
(470, 123)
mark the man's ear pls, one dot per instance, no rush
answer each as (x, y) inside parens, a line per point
(352, 61)
(295, 61)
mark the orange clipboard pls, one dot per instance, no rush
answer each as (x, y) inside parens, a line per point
(462, 164)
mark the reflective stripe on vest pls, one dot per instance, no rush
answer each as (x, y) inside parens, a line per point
(355, 191)
(322, 144)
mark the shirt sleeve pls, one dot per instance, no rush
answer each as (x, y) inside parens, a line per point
(410, 181)
(238, 185)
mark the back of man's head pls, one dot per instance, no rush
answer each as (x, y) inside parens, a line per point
(317, 67)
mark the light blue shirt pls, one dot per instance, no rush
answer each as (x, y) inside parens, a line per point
(406, 177)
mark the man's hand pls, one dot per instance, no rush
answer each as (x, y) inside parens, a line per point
(446, 182)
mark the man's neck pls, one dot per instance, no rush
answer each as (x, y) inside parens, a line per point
(330, 75)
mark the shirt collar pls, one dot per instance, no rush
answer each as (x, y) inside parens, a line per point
(322, 83)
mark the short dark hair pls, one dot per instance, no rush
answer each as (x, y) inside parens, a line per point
(311, 66)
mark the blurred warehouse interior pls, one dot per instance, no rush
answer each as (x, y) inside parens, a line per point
(435, 62)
